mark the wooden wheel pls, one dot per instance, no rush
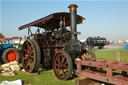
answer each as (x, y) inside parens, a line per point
(30, 56)
(38, 55)
(62, 65)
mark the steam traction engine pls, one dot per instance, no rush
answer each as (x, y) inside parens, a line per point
(57, 46)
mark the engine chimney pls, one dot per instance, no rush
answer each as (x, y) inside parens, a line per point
(73, 20)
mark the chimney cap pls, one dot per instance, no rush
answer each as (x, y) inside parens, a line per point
(72, 6)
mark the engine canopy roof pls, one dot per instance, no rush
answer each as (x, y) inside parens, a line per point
(52, 21)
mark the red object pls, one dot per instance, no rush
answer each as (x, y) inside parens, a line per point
(12, 56)
(108, 43)
(104, 75)
(36, 22)
(12, 39)
(9, 38)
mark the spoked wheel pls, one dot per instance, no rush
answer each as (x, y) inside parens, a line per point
(30, 55)
(89, 54)
(11, 54)
(38, 55)
(62, 65)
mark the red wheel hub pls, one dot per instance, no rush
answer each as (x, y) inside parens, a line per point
(12, 56)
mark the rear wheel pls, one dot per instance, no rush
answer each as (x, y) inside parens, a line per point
(30, 55)
(62, 65)
(38, 55)
(11, 54)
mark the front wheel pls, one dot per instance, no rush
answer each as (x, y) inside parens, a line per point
(11, 54)
(62, 65)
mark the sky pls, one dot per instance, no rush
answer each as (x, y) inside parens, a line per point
(105, 18)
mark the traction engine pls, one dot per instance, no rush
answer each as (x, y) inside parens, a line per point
(57, 46)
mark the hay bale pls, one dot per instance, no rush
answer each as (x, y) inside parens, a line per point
(12, 66)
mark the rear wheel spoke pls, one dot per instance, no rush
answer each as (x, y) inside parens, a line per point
(24, 58)
(27, 65)
(57, 65)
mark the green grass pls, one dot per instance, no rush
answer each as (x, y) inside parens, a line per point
(112, 54)
(48, 77)
(45, 78)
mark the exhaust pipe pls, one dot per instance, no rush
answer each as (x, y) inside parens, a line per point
(73, 20)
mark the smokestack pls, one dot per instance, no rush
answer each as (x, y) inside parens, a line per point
(73, 20)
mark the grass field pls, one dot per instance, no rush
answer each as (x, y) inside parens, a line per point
(115, 54)
(45, 78)
(48, 77)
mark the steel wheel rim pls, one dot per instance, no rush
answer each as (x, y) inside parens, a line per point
(12, 56)
(28, 56)
(61, 66)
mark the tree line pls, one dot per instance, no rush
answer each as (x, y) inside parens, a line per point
(1, 35)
